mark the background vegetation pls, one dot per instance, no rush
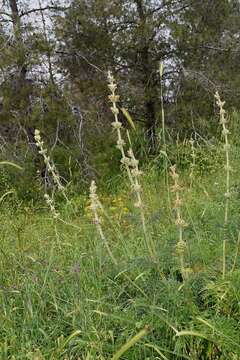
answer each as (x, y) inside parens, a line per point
(54, 61)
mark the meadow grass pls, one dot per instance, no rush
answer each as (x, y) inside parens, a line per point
(62, 296)
(149, 272)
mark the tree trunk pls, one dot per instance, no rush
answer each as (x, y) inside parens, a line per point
(147, 79)
(16, 20)
(22, 83)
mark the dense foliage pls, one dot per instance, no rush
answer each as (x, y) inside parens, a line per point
(55, 56)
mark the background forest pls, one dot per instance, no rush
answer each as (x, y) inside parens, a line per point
(53, 70)
(119, 179)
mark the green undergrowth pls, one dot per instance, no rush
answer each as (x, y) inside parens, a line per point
(61, 297)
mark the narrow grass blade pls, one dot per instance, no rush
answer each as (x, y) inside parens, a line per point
(131, 343)
(6, 194)
(70, 337)
(160, 352)
(157, 351)
(11, 164)
(192, 333)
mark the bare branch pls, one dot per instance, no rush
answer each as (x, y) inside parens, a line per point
(78, 54)
(5, 14)
(56, 8)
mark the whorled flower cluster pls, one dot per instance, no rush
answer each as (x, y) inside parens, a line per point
(193, 162)
(94, 202)
(135, 173)
(176, 188)
(49, 164)
(116, 124)
(129, 161)
(225, 132)
(51, 205)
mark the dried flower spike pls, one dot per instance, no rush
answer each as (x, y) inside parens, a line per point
(95, 205)
(51, 205)
(129, 161)
(49, 164)
(226, 147)
(181, 246)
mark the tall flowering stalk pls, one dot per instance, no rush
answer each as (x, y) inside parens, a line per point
(193, 163)
(181, 246)
(137, 188)
(49, 163)
(50, 166)
(117, 125)
(225, 133)
(163, 135)
(55, 214)
(162, 107)
(130, 163)
(95, 205)
(133, 165)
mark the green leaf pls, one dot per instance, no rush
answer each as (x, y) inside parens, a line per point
(128, 117)
(11, 164)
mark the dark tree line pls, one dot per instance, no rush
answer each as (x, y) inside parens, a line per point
(55, 57)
